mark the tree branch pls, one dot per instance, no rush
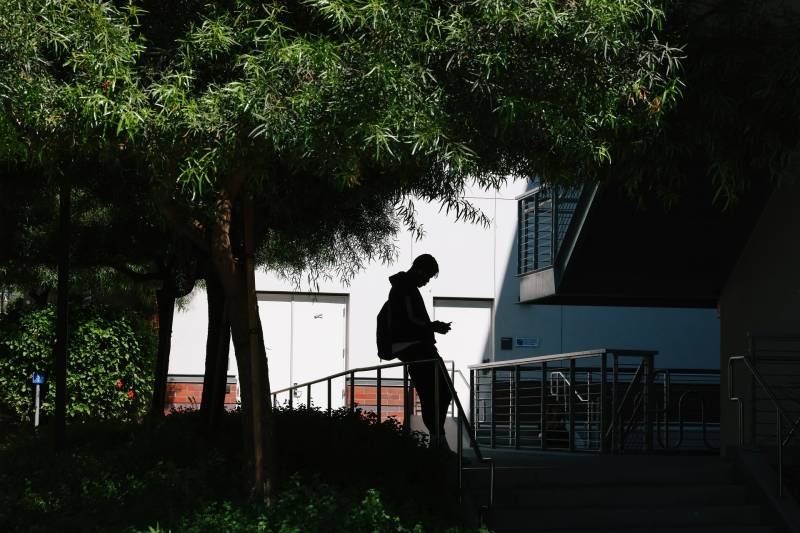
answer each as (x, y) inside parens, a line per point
(191, 229)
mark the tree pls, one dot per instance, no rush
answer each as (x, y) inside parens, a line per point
(736, 128)
(55, 98)
(387, 99)
(240, 104)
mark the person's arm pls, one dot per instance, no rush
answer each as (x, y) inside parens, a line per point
(414, 319)
(437, 325)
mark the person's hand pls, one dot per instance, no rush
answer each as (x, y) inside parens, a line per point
(441, 327)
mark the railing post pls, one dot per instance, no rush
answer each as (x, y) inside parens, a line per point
(516, 406)
(510, 418)
(589, 414)
(452, 405)
(752, 356)
(460, 452)
(406, 410)
(330, 408)
(291, 397)
(543, 409)
(667, 385)
(603, 400)
(352, 392)
(570, 389)
(648, 421)
(779, 444)
(308, 396)
(493, 377)
(472, 402)
(436, 401)
(615, 418)
(274, 400)
(378, 396)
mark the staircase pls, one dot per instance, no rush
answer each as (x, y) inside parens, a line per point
(550, 492)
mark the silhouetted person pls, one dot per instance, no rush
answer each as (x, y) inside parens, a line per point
(412, 339)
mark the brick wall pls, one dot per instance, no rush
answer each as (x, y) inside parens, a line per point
(366, 397)
(188, 394)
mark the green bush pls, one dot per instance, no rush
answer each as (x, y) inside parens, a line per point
(109, 365)
(305, 505)
(345, 473)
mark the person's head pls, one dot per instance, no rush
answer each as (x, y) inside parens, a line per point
(423, 269)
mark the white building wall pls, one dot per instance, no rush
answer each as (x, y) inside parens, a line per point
(478, 262)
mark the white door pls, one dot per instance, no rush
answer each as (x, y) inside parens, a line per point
(305, 338)
(319, 335)
(468, 342)
(275, 311)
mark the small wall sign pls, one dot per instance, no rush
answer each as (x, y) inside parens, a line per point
(38, 378)
(527, 342)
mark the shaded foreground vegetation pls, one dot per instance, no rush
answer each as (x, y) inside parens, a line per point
(340, 473)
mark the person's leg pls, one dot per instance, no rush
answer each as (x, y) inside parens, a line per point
(422, 375)
(422, 378)
(445, 396)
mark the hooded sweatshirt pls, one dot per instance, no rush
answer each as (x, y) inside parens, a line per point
(410, 322)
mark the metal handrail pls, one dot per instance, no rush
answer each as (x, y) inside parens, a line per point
(702, 418)
(562, 357)
(780, 414)
(609, 377)
(462, 418)
(568, 382)
(634, 380)
(460, 374)
(664, 412)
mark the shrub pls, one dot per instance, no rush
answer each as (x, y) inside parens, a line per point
(345, 473)
(109, 363)
(305, 505)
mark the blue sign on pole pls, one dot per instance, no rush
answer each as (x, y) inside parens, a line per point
(38, 378)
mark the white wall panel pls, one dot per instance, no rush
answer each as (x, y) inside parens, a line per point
(468, 342)
(275, 312)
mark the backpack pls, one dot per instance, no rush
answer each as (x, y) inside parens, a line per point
(383, 334)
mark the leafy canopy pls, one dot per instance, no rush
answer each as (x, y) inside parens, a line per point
(365, 102)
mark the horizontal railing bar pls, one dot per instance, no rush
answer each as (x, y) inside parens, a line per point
(348, 372)
(563, 356)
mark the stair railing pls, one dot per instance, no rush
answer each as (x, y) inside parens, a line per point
(567, 384)
(780, 413)
(515, 399)
(560, 388)
(439, 369)
(618, 429)
(703, 382)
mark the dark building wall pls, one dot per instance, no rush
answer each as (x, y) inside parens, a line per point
(762, 294)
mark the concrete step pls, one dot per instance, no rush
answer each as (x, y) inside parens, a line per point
(625, 517)
(542, 477)
(615, 496)
(680, 529)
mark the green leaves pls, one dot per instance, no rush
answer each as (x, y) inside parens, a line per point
(68, 78)
(103, 347)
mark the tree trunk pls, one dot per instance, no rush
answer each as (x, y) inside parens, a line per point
(212, 405)
(165, 299)
(237, 276)
(62, 317)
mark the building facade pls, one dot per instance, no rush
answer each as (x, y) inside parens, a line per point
(310, 334)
